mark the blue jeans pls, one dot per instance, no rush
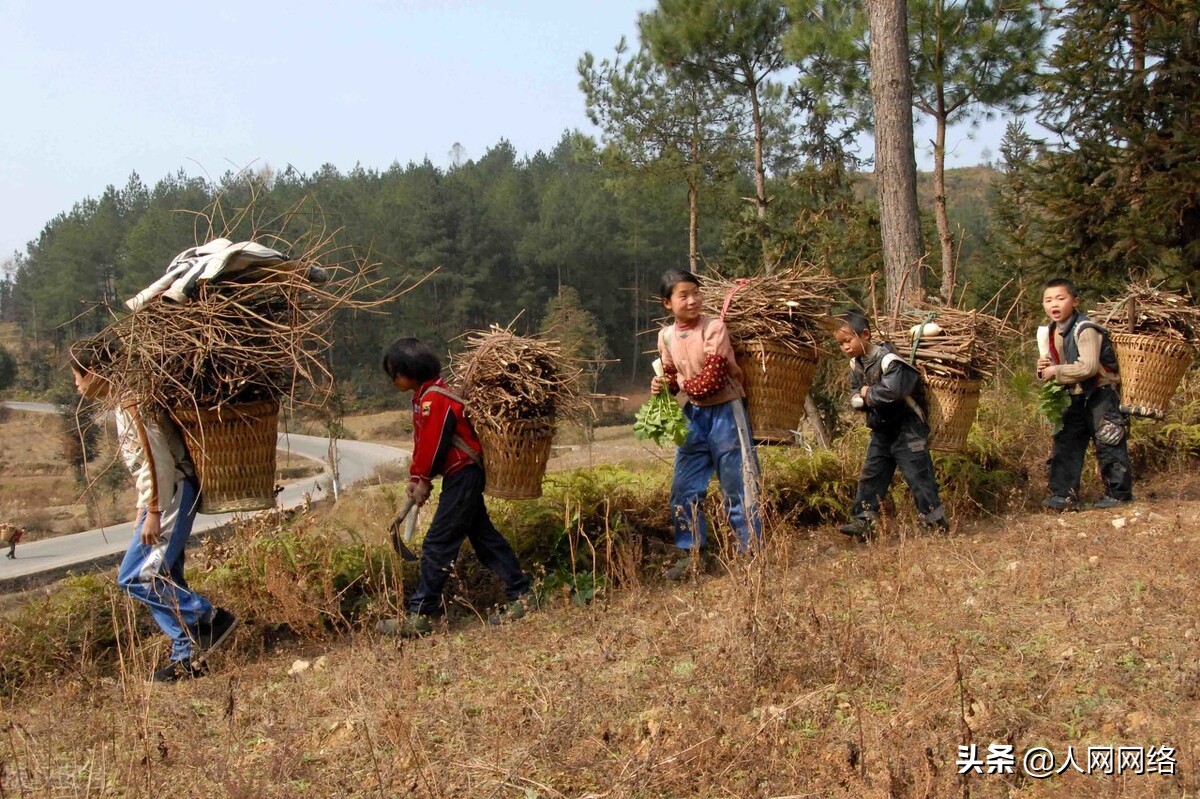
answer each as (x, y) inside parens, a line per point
(153, 575)
(712, 444)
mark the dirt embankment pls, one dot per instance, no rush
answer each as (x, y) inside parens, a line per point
(819, 668)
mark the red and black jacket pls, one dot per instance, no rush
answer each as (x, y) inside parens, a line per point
(438, 420)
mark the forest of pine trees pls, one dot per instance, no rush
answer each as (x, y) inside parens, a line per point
(734, 153)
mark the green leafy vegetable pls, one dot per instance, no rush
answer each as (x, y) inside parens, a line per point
(661, 420)
(1053, 399)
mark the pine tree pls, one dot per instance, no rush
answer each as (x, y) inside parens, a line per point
(738, 46)
(970, 56)
(1119, 193)
(662, 121)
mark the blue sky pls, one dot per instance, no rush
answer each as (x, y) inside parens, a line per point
(95, 92)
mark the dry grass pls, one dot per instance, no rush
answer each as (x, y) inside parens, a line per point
(817, 669)
(37, 486)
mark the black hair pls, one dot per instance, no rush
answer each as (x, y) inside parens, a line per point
(1061, 283)
(856, 320)
(408, 357)
(93, 354)
(672, 279)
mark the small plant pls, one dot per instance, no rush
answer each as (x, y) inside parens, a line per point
(661, 419)
(1053, 399)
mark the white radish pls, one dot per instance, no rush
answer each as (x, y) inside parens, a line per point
(927, 331)
(658, 367)
(1043, 340)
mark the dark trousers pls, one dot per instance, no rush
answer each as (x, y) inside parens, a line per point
(461, 515)
(1080, 421)
(12, 550)
(906, 445)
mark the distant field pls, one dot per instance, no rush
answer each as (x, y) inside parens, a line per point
(39, 489)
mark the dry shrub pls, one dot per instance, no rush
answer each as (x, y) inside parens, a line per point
(1172, 444)
(72, 632)
(286, 572)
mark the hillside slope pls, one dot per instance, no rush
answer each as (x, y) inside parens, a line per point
(820, 668)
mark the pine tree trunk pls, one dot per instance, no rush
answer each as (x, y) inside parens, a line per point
(945, 237)
(895, 160)
(693, 229)
(760, 177)
(694, 206)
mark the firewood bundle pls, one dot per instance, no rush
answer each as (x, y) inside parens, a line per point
(505, 377)
(1146, 310)
(948, 342)
(789, 307)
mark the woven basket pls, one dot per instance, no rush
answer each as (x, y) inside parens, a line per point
(777, 383)
(234, 450)
(514, 457)
(1151, 368)
(952, 408)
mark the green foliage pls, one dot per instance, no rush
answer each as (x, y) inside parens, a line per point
(662, 124)
(298, 575)
(8, 369)
(578, 333)
(1119, 194)
(661, 420)
(973, 55)
(1053, 399)
(66, 633)
(1172, 443)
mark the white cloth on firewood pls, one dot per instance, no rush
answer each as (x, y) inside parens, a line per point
(196, 265)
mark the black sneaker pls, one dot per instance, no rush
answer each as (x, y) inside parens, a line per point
(683, 567)
(1060, 503)
(214, 632)
(1106, 502)
(178, 670)
(511, 611)
(857, 527)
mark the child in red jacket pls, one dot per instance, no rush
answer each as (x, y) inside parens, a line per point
(445, 444)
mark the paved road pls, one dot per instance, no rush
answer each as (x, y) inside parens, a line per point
(356, 461)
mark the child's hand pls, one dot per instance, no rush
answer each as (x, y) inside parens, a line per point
(1043, 362)
(862, 392)
(151, 531)
(1047, 372)
(418, 491)
(658, 384)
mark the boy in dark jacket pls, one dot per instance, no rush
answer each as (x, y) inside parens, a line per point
(1082, 359)
(889, 390)
(444, 443)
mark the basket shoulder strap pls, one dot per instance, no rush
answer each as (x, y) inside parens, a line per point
(458, 441)
(445, 392)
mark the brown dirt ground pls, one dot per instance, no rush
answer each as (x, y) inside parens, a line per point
(818, 669)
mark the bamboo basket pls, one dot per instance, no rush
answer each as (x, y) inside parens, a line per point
(777, 383)
(952, 408)
(514, 457)
(1151, 368)
(233, 447)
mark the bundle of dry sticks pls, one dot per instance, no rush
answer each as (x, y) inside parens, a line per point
(1150, 311)
(262, 334)
(789, 307)
(948, 342)
(505, 377)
